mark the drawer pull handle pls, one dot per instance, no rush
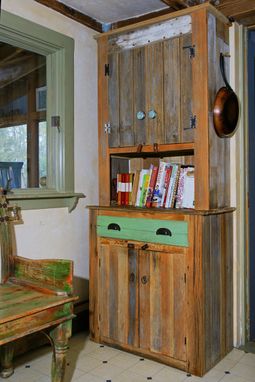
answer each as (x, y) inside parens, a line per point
(114, 227)
(164, 231)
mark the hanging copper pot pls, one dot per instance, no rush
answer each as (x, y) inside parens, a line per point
(226, 107)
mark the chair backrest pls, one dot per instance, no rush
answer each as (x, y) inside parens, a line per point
(8, 214)
(10, 172)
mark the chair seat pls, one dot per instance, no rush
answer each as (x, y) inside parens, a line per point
(25, 310)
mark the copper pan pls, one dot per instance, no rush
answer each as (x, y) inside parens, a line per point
(226, 107)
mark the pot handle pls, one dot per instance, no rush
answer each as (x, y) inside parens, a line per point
(222, 69)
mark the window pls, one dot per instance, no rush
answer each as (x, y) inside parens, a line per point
(38, 142)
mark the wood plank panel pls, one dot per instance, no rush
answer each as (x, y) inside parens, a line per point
(200, 108)
(126, 98)
(139, 95)
(172, 100)
(187, 133)
(103, 117)
(118, 293)
(155, 132)
(93, 277)
(163, 295)
(218, 147)
(114, 99)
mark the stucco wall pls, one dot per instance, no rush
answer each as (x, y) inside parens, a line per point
(54, 233)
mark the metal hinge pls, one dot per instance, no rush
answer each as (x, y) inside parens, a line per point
(185, 340)
(106, 69)
(107, 128)
(99, 262)
(55, 122)
(185, 278)
(192, 122)
(192, 50)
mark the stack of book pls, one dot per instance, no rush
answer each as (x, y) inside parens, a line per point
(168, 185)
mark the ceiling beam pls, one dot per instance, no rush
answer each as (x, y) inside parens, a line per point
(180, 4)
(236, 8)
(73, 14)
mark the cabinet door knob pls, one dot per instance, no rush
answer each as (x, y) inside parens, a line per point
(152, 114)
(144, 279)
(140, 115)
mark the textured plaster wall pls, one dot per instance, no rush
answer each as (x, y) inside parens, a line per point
(54, 233)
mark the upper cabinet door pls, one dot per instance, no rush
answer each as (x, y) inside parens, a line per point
(150, 87)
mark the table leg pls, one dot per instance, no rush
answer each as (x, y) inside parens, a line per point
(6, 357)
(60, 336)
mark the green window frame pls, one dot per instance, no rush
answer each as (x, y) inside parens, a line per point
(59, 52)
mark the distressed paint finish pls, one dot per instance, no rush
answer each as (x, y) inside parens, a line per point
(51, 274)
(35, 295)
(147, 230)
(177, 301)
(154, 33)
(60, 336)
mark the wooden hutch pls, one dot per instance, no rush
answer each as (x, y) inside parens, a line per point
(167, 298)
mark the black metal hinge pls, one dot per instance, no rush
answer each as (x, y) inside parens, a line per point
(185, 340)
(192, 50)
(106, 69)
(185, 278)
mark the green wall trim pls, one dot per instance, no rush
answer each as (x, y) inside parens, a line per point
(33, 201)
(59, 52)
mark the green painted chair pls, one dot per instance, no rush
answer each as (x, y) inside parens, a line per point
(35, 295)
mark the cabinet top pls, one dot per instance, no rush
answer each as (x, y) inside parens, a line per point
(174, 211)
(207, 7)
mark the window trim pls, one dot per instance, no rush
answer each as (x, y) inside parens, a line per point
(59, 52)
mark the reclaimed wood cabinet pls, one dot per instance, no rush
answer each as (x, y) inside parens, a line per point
(170, 302)
(161, 279)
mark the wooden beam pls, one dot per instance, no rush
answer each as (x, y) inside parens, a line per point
(180, 4)
(147, 16)
(236, 8)
(73, 14)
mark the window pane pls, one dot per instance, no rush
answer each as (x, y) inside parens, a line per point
(22, 112)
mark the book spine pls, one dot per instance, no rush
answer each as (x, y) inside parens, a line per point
(157, 194)
(151, 187)
(166, 185)
(170, 187)
(175, 185)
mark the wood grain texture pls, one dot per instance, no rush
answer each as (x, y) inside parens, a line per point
(139, 95)
(93, 277)
(219, 148)
(172, 96)
(186, 86)
(126, 98)
(114, 100)
(200, 108)
(154, 93)
(34, 295)
(103, 117)
(54, 275)
(177, 301)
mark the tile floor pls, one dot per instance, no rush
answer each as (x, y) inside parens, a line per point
(91, 362)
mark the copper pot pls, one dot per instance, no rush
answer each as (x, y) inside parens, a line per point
(226, 107)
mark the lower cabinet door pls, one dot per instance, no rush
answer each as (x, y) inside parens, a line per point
(142, 298)
(118, 293)
(162, 300)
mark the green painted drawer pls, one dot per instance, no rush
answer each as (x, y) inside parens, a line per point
(170, 232)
